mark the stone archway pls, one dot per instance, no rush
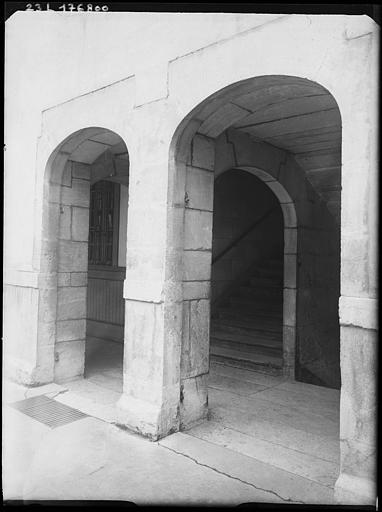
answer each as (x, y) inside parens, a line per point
(226, 131)
(290, 230)
(83, 158)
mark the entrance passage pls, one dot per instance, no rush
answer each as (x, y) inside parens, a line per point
(106, 274)
(104, 366)
(247, 274)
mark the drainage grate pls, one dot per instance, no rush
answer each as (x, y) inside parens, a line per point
(48, 411)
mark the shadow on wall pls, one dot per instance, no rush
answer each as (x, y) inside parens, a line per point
(240, 199)
(318, 329)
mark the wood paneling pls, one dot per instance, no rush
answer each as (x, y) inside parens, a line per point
(105, 300)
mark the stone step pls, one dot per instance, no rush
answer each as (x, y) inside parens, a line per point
(258, 444)
(239, 312)
(261, 293)
(254, 304)
(250, 348)
(256, 358)
(265, 282)
(248, 322)
(243, 364)
(247, 327)
(245, 330)
(274, 263)
(261, 338)
(272, 484)
(263, 271)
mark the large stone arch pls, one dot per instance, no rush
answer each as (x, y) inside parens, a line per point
(205, 145)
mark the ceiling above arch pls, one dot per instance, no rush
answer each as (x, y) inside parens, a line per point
(103, 150)
(89, 144)
(290, 113)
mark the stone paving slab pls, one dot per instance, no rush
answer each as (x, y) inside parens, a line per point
(108, 380)
(310, 390)
(92, 400)
(290, 416)
(281, 486)
(249, 422)
(22, 439)
(302, 402)
(234, 385)
(308, 466)
(12, 392)
(260, 378)
(261, 426)
(91, 390)
(93, 460)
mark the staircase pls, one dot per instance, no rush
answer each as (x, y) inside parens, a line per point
(246, 327)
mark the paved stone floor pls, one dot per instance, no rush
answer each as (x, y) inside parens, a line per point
(267, 440)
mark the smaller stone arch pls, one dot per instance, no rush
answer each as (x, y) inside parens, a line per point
(87, 155)
(290, 265)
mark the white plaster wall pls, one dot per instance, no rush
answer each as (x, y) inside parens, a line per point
(52, 57)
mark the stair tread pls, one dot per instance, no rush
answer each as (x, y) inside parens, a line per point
(249, 331)
(251, 314)
(257, 322)
(270, 339)
(250, 322)
(262, 346)
(265, 305)
(263, 282)
(246, 329)
(272, 291)
(246, 356)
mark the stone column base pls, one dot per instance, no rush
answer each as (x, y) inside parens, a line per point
(150, 420)
(25, 373)
(194, 401)
(69, 360)
(353, 490)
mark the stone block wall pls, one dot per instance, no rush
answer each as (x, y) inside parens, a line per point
(72, 268)
(318, 342)
(20, 327)
(311, 257)
(199, 187)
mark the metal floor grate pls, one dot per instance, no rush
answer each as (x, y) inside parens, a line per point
(48, 411)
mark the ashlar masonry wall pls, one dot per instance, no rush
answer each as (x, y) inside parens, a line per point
(197, 254)
(72, 271)
(311, 257)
